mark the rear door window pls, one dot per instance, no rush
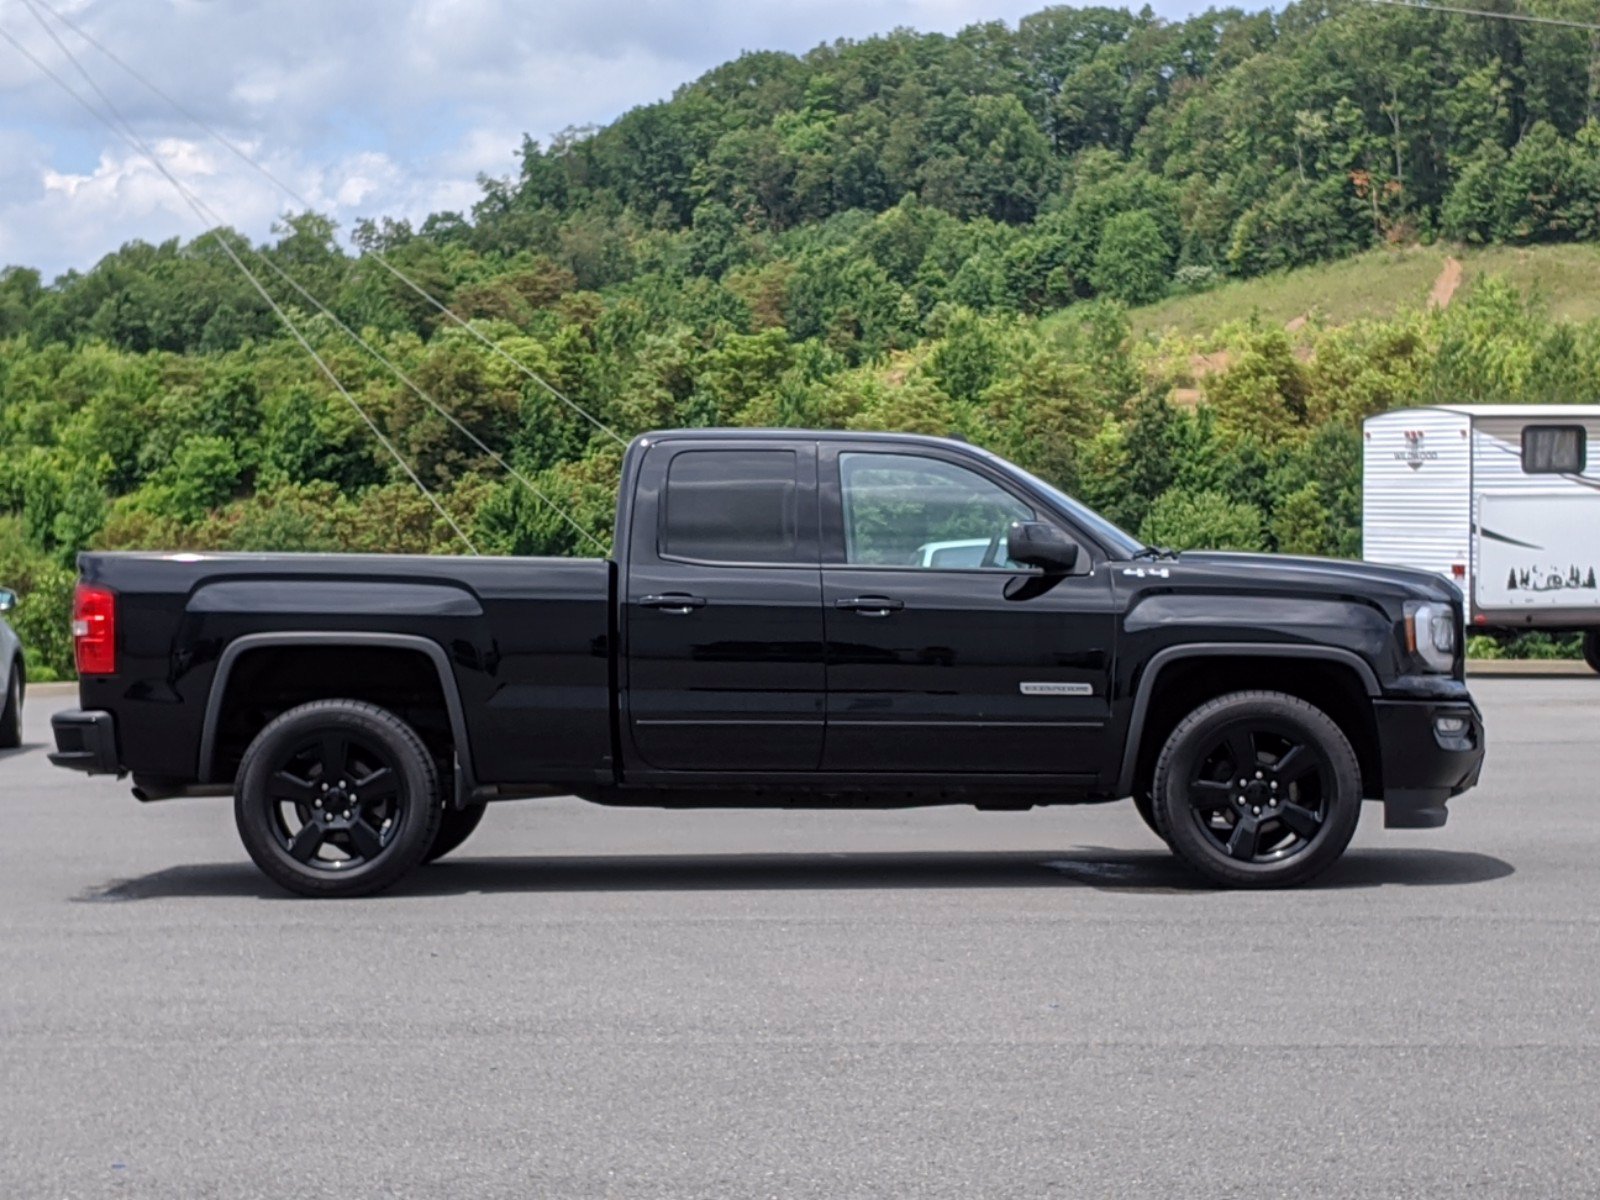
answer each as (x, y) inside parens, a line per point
(732, 506)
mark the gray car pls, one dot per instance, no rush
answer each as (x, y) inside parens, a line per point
(13, 679)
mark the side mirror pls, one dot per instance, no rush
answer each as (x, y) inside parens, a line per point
(8, 600)
(1037, 544)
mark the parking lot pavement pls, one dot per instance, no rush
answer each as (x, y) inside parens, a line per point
(593, 1002)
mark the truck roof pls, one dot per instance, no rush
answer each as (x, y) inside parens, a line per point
(825, 435)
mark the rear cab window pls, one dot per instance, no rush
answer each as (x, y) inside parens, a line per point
(732, 506)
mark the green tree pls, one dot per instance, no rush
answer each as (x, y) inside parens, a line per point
(1203, 520)
(1133, 261)
(203, 475)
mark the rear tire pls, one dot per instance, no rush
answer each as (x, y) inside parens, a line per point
(11, 711)
(337, 798)
(1258, 790)
(455, 827)
(1591, 649)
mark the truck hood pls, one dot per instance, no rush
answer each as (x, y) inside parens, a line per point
(1326, 574)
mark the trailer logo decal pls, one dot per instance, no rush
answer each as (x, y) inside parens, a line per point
(1414, 455)
(1535, 579)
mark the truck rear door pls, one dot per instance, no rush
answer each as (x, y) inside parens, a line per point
(722, 606)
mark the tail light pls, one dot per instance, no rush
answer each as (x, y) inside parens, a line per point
(94, 630)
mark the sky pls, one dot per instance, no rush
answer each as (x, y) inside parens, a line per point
(365, 107)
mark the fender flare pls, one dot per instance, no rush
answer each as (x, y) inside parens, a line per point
(1147, 682)
(466, 777)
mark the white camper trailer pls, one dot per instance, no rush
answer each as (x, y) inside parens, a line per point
(1502, 499)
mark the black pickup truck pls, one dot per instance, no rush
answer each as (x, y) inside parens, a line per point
(793, 619)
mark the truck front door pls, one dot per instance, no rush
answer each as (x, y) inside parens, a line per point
(944, 658)
(723, 669)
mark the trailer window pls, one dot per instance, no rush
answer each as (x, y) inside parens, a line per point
(732, 506)
(1554, 450)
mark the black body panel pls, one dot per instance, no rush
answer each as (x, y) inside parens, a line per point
(977, 673)
(528, 642)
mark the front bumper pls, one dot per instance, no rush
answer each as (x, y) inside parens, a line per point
(1423, 764)
(86, 741)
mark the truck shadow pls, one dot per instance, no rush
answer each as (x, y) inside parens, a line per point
(19, 751)
(1105, 870)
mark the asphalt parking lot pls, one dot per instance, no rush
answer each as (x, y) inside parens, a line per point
(590, 1002)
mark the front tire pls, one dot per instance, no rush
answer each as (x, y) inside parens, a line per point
(11, 711)
(337, 798)
(1258, 790)
(1591, 649)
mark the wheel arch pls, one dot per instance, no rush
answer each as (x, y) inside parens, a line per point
(241, 649)
(1337, 681)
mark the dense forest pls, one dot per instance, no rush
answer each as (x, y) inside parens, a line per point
(922, 232)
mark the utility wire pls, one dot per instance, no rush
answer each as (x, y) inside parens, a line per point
(1529, 18)
(422, 395)
(139, 144)
(307, 205)
(209, 214)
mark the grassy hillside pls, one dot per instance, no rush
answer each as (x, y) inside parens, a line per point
(1563, 279)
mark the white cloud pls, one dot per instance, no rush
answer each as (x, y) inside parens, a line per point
(368, 107)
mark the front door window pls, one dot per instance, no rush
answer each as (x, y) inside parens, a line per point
(903, 510)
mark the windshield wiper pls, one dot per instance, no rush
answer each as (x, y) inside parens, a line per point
(1154, 552)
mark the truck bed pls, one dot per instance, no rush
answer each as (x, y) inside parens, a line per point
(528, 643)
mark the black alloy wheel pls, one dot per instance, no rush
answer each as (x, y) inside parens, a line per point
(1260, 792)
(1258, 789)
(337, 798)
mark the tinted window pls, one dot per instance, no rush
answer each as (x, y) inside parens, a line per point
(906, 511)
(1554, 450)
(731, 506)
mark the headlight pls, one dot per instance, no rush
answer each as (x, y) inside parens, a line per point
(1431, 633)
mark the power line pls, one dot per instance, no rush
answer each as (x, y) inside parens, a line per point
(206, 212)
(423, 396)
(307, 205)
(227, 249)
(1527, 18)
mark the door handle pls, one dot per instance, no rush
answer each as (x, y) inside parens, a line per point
(673, 602)
(871, 606)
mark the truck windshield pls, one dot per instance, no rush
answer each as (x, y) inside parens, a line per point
(1118, 541)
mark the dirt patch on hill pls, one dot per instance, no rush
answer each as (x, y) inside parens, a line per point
(1444, 287)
